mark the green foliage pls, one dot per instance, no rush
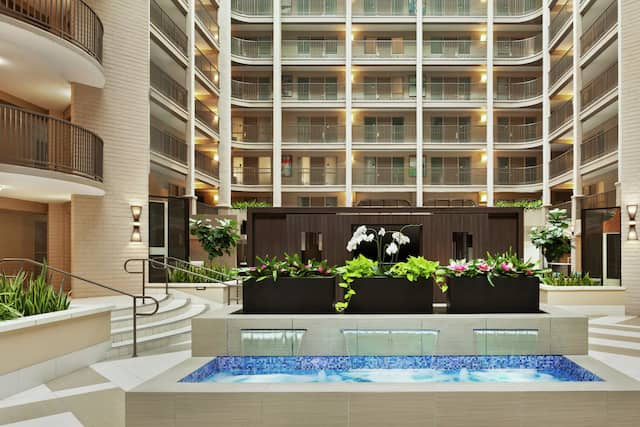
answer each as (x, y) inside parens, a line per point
(574, 279)
(194, 273)
(25, 295)
(216, 240)
(246, 204)
(554, 238)
(357, 268)
(290, 266)
(526, 204)
(416, 268)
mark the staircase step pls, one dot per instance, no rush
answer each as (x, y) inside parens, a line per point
(155, 341)
(614, 346)
(172, 308)
(615, 334)
(160, 325)
(146, 307)
(65, 419)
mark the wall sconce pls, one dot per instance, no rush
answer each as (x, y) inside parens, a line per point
(483, 37)
(136, 213)
(483, 118)
(483, 78)
(632, 211)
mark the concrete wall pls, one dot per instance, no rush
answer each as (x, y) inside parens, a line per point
(101, 226)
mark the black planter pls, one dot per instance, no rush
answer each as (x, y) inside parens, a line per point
(470, 295)
(385, 295)
(289, 295)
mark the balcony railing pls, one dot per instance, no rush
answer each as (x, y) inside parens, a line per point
(455, 176)
(71, 20)
(600, 144)
(516, 7)
(561, 67)
(559, 21)
(206, 164)
(303, 91)
(208, 19)
(384, 8)
(252, 7)
(454, 91)
(384, 49)
(518, 133)
(600, 86)
(602, 200)
(383, 91)
(252, 176)
(518, 176)
(561, 164)
(454, 8)
(43, 142)
(455, 49)
(168, 145)
(384, 176)
(384, 134)
(250, 91)
(313, 8)
(252, 49)
(253, 134)
(517, 49)
(298, 133)
(167, 86)
(561, 115)
(519, 91)
(206, 67)
(206, 116)
(293, 49)
(606, 21)
(313, 176)
(170, 29)
(454, 134)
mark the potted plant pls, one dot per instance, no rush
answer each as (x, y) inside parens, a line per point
(502, 283)
(216, 240)
(554, 239)
(372, 288)
(288, 286)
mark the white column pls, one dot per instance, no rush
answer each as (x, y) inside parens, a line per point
(348, 108)
(490, 119)
(191, 108)
(419, 108)
(224, 104)
(577, 127)
(546, 107)
(277, 105)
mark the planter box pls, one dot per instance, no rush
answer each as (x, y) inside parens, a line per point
(386, 295)
(470, 295)
(289, 295)
(582, 295)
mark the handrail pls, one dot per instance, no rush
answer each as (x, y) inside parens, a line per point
(168, 27)
(100, 285)
(559, 21)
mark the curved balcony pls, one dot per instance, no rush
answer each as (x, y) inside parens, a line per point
(65, 151)
(383, 92)
(455, 92)
(561, 164)
(517, 9)
(384, 176)
(169, 29)
(518, 50)
(243, 176)
(600, 145)
(384, 134)
(454, 8)
(312, 176)
(518, 134)
(315, 8)
(559, 21)
(251, 93)
(252, 134)
(455, 50)
(252, 8)
(384, 50)
(313, 134)
(455, 134)
(251, 50)
(317, 50)
(561, 116)
(529, 175)
(384, 8)
(520, 93)
(456, 176)
(598, 88)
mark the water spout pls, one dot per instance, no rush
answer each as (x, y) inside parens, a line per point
(390, 342)
(506, 341)
(271, 342)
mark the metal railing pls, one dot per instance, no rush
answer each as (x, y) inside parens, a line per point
(454, 8)
(455, 176)
(518, 176)
(518, 133)
(251, 91)
(515, 8)
(252, 49)
(600, 86)
(454, 134)
(560, 67)
(44, 142)
(298, 133)
(518, 49)
(519, 91)
(168, 145)
(384, 133)
(561, 115)
(170, 29)
(206, 164)
(163, 83)
(559, 21)
(307, 91)
(218, 276)
(384, 8)
(461, 91)
(252, 7)
(384, 49)
(313, 176)
(206, 67)
(561, 164)
(383, 91)
(383, 176)
(254, 133)
(600, 144)
(602, 200)
(208, 20)
(135, 299)
(205, 115)
(304, 48)
(313, 8)
(606, 21)
(449, 203)
(252, 176)
(71, 20)
(455, 49)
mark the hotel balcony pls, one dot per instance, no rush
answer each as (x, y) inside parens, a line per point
(168, 87)
(313, 8)
(251, 92)
(251, 176)
(384, 50)
(602, 25)
(456, 176)
(252, 134)
(528, 175)
(561, 116)
(599, 145)
(306, 91)
(57, 156)
(560, 19)
(207, 19)
(252, 8)
(168, 145)
(458, 50)
(384, 8)
(320, 176)
(384, 176)
(519, 92)
(168, 28)
(507, 51)
(332, 51)
(598, 88)
(518, 134)
(207, 68)
(296, 133)
(454, 92)
(383, 92)
(206, 164)
(251, 50)
(454, 8)
(561, 67)
(561, 164)
(455, 134)
(516, 8)
(206, 117)
(384, 134)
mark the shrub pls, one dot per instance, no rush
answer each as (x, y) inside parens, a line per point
(526, 204)
(290, 266)
(554, 238)
(244, 205)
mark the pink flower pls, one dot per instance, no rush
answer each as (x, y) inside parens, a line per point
(283, 270)
(252, 268)
(320, 270)
(506, 267)
(308, 265)
(529, 273)
(458, 267)
(263, 267)
(484, 267)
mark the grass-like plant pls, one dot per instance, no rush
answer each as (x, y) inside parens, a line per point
(574, 279)
(244, 205)
(526, 204)
(195, 273)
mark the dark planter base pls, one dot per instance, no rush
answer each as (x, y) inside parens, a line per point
(471, 295)
(383, 295)
(289, 295)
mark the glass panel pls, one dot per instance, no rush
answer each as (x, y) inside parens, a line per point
(156, 224)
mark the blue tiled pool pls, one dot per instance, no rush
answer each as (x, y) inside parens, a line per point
(390, 369)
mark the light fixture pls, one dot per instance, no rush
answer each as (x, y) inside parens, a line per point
(136, 213)
(3, 61)
(483, 158)
(2, 187)
(483, 118)
(632, 211)
(353, 77)
(483, 78)
(136, 237)
(215, 198)
(215, 157)
(483, 37)
(483, 197)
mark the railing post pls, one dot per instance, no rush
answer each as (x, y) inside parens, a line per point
(135, 327)
(144, 277)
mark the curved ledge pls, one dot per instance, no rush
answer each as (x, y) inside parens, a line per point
(519, 61)
(250, 61)
(517, 19)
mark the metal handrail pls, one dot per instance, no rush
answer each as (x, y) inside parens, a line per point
(135, 298)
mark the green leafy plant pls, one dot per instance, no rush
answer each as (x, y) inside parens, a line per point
(554, 239)
(246, 204)
(216, 240)
(416, 268)
(290, 266)
(574, 279)
(357, 268)
(195, 273)
(526, 204)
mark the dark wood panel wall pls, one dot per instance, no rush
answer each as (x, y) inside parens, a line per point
(274, 231)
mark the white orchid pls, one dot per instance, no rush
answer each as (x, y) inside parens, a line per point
(369, 237)
(382, 231)
(400, 238)
(392, 249)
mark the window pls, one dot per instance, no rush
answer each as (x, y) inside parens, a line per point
(303, 46)
(397, 126)
(436, 45)
(437, 129)
(464, 129)
(303, 88)
(331, 46)
(437, 170)
(464, 46)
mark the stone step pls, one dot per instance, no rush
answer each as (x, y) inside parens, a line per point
(615, 334)
(151, 342)
(167, 324)
(126, 309)
(614, 346)
(172, 308)
(65, 419)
